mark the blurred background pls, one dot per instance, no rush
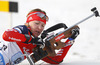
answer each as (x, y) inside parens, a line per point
(86, 49)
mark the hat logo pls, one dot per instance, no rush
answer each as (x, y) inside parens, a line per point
(30, 18)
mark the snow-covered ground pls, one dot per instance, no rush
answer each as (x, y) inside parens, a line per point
(86, 50)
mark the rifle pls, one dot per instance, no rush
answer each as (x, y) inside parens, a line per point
(53, 42)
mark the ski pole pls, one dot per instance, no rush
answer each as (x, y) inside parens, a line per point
(28, 57)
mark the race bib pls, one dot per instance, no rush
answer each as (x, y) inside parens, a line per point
(17, 58)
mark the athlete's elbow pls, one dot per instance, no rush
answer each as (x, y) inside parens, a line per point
(4, 36)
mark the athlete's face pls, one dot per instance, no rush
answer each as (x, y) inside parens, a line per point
(36, 27)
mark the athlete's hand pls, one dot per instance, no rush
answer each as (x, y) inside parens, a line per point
(33, 40)
(75, 33)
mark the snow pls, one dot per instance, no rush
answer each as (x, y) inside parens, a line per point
(86, 49)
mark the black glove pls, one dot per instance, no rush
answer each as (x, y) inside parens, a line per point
(37, 41)
(75, 33)
(33, 40)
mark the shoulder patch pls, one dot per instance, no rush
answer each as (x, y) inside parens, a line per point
(21, 29)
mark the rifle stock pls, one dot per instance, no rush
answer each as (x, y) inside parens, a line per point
(56, 43)
(51, 44)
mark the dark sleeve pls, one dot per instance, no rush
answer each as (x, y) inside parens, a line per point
(21, 29)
